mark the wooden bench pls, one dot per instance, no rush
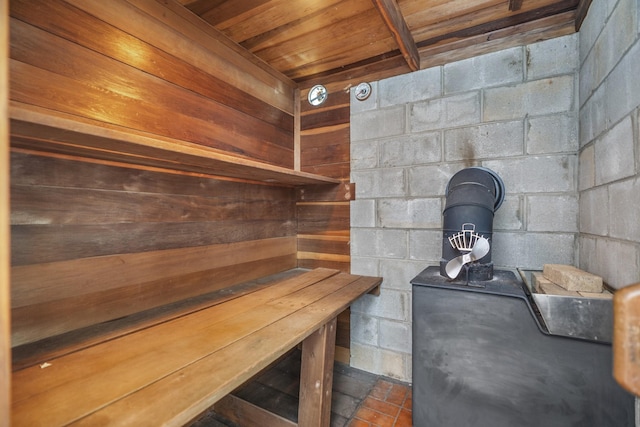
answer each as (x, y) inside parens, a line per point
(171, 371)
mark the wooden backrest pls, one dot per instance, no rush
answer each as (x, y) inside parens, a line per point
(93, 242)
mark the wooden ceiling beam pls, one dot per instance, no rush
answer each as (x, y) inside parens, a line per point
(392, 17)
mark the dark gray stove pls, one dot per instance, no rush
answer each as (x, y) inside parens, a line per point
(483, 357)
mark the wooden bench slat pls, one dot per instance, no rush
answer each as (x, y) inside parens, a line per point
(79, 383)
(229, 320)
(180, 397)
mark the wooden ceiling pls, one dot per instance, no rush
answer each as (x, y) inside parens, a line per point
(336, 40)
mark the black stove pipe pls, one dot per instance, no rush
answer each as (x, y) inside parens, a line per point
(472, 196)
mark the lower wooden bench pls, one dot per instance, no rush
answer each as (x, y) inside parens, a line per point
(173, 371)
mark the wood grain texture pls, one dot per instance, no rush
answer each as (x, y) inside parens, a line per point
(54, 298)
(5, 246)
(179, 368)
(626, 338)
(37, 129)
(392, 17)
(119, 71)
(247, 414)
(316, 376)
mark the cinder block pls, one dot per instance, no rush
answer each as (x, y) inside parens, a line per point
(614, 153)
(491, 140)
(448, 112)
(552, 57)
(539, 97)
(378, 123)
(410, 87)
(492, 69)
(572, 278)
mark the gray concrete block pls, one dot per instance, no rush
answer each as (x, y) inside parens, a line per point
(587, 168)
(510, 216)
(425, 245)
(442, 113)
(614, 153)
(363, 213)
(398, 273)
(364, 266)
(379, 183)
(623, 87)
(592, 27)
(532, 250)
(391, 304)
(624, 201)
(615, 39)
(412, 149)
(534, 98)
(379, 243)
(395, 336)
(617, 262)
(593, 117)
(537, 174)
(364, 155)
(552, 57)
(552, 134)
(377, 124)
(364, 328)
(552, 213)
(431, 181)
(492, 69)
(491, 140)
(411, 87)
(409, 213)
(594, 211)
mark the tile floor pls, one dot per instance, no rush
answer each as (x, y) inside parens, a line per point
(360, 399)
(387, 405)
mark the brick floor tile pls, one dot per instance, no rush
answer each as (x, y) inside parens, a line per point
(404, 419)
(382, 407)
(356, 422)
(381, 389)
(375, 418)
(397, 394)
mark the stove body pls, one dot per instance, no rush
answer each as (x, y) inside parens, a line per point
(483, 357)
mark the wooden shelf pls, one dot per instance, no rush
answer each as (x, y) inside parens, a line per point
(38, 129)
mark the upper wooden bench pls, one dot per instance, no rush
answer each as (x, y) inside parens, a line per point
(172, 371)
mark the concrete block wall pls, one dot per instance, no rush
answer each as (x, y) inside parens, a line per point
(514, 111)
(609, 162)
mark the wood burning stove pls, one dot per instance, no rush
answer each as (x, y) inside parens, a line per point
(482, 353)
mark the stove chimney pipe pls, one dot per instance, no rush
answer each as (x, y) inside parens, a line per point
(472, 196)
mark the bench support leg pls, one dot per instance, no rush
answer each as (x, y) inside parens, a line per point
(316, 377)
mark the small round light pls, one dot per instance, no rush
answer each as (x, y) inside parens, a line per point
(317, 95)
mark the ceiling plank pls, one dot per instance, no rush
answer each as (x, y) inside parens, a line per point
(392, 16)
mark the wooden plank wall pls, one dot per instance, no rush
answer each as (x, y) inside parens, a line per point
(153, 67)
(5, 317)
(323, 212)
(93, 242)
(97, 240)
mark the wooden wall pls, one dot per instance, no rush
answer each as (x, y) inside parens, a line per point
(95, 240)
(323, 212)
(153, 67)
(5, 318)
